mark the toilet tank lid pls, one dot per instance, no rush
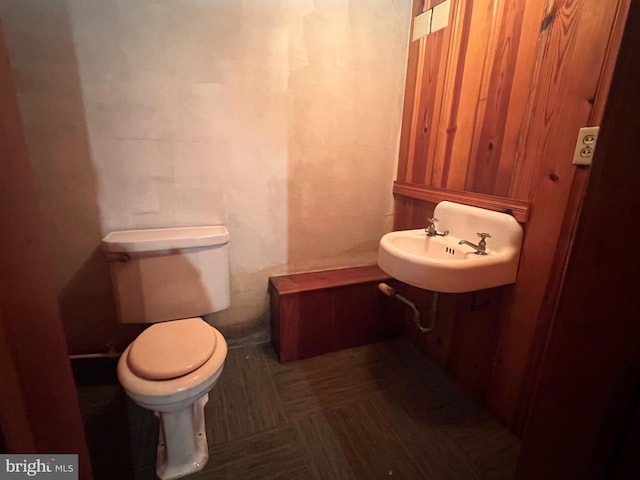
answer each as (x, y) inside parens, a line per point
(155, 239)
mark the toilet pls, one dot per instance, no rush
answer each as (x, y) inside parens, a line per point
(169, 277)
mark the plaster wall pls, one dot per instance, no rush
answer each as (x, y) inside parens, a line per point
(278, 118)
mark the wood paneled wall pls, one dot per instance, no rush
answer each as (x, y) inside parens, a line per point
(493, 106)
(585, 420)
(466, 96)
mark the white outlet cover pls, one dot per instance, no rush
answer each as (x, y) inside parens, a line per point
(422, 25)
(585, 145)
(440, 17)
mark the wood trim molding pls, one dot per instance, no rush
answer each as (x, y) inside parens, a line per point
(518, 208)
(309, 281)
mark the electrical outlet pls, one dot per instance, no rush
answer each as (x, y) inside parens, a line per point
(585, 146)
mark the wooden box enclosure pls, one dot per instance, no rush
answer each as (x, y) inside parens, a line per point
(320, 312)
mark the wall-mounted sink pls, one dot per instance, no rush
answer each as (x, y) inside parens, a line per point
(441, 264)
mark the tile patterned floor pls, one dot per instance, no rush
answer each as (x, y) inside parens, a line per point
(373, 412)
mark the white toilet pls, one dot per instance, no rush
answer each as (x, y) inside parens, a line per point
(168, 277)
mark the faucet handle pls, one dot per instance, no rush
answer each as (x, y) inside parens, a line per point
(482, 241)
(432, 231)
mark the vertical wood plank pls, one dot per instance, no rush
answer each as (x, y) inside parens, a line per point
(474, 339)
(274, 320)
(411, 213)
(428, 113)
(569, 75)
(454, 107)
(411, 98)
(482, 175)
(524, 81)
(309, 329)
(358, 316)
(476, 30)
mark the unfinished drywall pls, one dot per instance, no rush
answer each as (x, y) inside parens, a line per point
(279, 119)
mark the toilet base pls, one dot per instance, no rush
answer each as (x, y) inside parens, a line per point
(182, 443)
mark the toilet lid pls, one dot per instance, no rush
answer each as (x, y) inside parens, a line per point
(171, 349)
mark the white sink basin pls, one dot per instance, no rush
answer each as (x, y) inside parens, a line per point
(441, 264)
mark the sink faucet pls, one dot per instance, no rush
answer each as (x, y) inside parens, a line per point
(481, 247)
(431, 229)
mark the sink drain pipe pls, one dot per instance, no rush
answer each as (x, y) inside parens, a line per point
(389, 291)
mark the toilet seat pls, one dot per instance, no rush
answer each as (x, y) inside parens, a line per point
(159, 391)
(171, 349)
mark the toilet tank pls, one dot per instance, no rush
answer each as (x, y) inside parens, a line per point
(168, 273)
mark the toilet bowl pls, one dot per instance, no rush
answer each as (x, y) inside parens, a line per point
(175, 385)
(169, 277)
